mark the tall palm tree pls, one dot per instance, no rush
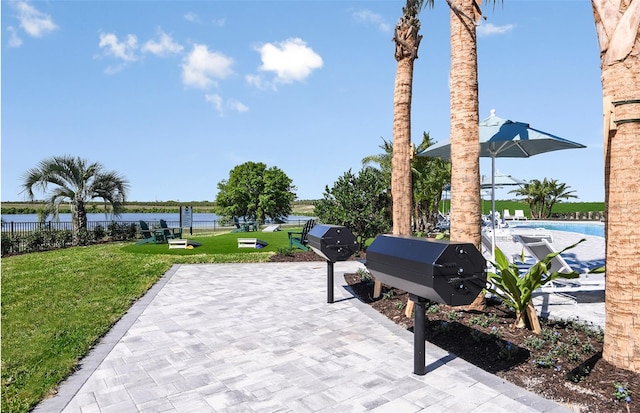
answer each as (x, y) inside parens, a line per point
(77, 182)
(465, 118)
(618, 28)
(407, 41)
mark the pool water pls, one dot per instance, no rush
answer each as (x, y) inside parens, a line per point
(586, 228)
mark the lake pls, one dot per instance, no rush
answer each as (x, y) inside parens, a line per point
(131, 217)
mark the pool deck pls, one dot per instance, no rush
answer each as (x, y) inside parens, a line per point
(590, 254)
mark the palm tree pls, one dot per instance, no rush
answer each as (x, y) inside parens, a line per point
(541, 196)
(407, 41)
(617, 26)
(465, 118)
(76, 181)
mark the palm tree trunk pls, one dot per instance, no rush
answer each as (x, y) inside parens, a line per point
(401, 190)
(617, 27)
(465, 130)
(465, 133)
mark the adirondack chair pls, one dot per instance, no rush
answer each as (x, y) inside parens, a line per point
(170, 233)
(299, 239)
(150, 236)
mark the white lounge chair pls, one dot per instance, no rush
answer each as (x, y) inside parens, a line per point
(506, 215)
(519, 214)
(539, 248)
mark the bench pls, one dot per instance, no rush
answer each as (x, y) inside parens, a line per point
(251, 243)
(178, 243)
(299, 239)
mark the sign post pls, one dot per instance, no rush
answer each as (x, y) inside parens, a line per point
(186, 218)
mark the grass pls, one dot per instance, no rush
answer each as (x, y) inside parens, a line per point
(56, 305)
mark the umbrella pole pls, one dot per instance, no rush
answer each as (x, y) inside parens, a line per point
(493, 208)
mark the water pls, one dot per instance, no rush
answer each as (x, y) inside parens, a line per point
(586, 228)
(130, 217)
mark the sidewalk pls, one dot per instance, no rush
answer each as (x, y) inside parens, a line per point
(262, 338)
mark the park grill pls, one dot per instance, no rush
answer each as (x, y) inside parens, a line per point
(441, 271)
(333, 243)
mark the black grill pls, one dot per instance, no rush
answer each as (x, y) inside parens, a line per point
(441, 271)
(333, 243)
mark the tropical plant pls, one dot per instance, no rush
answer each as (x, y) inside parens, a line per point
(516, 290)
(382, 160)
(429, 176)
(407, 41)
(617, 26)
(255, 191)
(359, 202)
(77, 182)
(541, 196)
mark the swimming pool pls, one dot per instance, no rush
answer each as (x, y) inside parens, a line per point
(586, 228)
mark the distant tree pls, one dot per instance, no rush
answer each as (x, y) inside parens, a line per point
(541, 196)
(72, 179)
(359, 202)
(255, 191)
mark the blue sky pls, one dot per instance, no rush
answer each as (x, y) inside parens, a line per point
(174, 94)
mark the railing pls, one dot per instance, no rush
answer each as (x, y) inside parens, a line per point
(21, 237)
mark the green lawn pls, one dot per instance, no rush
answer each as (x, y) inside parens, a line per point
(56, 305)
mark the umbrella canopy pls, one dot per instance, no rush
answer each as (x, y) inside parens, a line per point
(501, 138)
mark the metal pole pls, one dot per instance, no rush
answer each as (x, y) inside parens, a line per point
(329, 282)
(419, 336)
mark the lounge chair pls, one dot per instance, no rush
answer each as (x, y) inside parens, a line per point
(506, 215)
(150, 236)
(170, 233)
(298, 239)
(519, 214)
(539, 248)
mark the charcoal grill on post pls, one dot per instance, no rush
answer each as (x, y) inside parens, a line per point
(445, 272)
(333, 243)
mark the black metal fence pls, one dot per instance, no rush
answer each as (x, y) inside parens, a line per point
(23, 237)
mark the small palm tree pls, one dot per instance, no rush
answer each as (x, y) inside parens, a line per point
(541, 196)
(77, 182)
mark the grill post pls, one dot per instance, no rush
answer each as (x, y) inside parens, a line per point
(419, 336)
(329, 282)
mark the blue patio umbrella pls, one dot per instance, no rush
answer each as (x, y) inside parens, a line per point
(502, 138)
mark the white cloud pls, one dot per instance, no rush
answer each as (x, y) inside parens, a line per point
(291, 61)
(259, 82)
(192, 17)
(218, 22)
(488, 29)
(125, 50)
(165, 46)
(14, 39)
(236, 105)
(216, 100)
(220, 105)
(33, 21)
(369, 17)
(201, 67)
